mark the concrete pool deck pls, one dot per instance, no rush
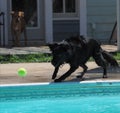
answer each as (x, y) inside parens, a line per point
(42, 72)
(42, 49)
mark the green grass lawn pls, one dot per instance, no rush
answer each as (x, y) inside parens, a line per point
(25, 58)
(35, 58)
(117, 56)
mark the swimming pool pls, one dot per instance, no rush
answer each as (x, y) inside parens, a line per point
(99, 97)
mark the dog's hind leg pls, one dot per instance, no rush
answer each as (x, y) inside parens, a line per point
(84, 71)
(100, 61)
(104, 72)
(68, 73)
(55, 72)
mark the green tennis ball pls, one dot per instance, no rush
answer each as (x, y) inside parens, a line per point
(22, 72)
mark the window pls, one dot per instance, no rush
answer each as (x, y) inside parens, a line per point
(70, 6)
(29, 7)
(58, 6)
(64, 8)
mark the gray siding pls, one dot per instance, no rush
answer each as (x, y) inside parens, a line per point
(64, 29)
(101, 14)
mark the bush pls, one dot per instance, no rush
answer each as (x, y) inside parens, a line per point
(25, 58)
(36, 58)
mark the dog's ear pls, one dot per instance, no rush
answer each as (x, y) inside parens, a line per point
(52, 46)
(12, 12)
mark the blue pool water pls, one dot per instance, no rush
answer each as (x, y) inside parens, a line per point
(61, 98)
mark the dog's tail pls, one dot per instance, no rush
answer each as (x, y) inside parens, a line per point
(109, 58)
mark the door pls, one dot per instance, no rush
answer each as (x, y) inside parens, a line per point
(33, 13)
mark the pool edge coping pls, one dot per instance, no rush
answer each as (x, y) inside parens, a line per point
(47, 83)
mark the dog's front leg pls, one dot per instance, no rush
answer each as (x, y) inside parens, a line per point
(25, 37)
(17, 35)
(68, 73)
(55, 72)
(13, 37)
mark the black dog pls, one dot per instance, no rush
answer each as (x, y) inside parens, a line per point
(76, 51)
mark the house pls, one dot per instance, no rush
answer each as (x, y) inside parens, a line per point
(55, 20)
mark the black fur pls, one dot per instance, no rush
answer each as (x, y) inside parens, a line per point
(76, 51)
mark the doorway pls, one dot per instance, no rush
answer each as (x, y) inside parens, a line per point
(30, 13)
(33, 11)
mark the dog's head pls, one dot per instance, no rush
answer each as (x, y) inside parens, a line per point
(17, 14)
(60, 54)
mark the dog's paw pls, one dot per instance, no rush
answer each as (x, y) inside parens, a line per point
(79, 76)
(57, 80)
(105, 76)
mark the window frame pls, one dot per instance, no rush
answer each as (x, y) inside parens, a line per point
(67, 15)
